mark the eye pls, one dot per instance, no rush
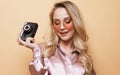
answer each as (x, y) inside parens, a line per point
(67, 21)
(56, 22)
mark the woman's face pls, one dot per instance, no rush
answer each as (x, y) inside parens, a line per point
(63, 25)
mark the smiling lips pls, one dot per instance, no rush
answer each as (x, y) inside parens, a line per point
(63, 33)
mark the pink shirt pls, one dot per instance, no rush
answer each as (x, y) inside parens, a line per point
(58, 64)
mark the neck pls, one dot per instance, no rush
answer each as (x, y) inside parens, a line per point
(66, 46)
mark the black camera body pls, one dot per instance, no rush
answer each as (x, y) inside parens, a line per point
(29, 30)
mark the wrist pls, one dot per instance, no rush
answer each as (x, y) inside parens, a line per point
(35, 46)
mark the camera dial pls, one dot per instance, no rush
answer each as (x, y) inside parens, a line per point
(27, 28)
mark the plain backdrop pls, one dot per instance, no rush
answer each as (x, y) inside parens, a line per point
(102, 22)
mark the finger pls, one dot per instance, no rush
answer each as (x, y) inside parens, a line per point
(30, 40)
(20, 41)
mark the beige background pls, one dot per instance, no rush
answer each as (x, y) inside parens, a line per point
(102, 19)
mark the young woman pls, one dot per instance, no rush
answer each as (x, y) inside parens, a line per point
(65, 51)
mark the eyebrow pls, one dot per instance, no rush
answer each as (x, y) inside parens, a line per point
(64, 18)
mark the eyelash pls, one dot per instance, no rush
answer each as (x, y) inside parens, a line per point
(68, 21)
(57, 23)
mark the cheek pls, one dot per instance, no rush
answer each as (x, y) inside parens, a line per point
(56, 28)
(69, 26)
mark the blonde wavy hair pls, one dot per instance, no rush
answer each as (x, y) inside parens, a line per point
(79, 39)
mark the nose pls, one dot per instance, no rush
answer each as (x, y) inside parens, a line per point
(62, 26)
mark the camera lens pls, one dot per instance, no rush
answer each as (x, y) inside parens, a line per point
(27, 28)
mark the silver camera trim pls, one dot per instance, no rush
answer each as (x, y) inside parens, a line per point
(28, 27)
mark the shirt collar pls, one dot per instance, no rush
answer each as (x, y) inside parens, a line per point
(73, 52)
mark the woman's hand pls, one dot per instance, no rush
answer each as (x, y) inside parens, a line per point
(30, 42)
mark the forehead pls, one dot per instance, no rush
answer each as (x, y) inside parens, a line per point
(60, 13)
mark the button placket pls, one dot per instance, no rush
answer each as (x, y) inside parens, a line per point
(69, 64)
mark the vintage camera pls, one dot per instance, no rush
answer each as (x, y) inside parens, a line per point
(29, 30)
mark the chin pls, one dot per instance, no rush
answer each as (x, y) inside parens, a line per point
(65, 39)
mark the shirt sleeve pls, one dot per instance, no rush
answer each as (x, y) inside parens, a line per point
(37, 64)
